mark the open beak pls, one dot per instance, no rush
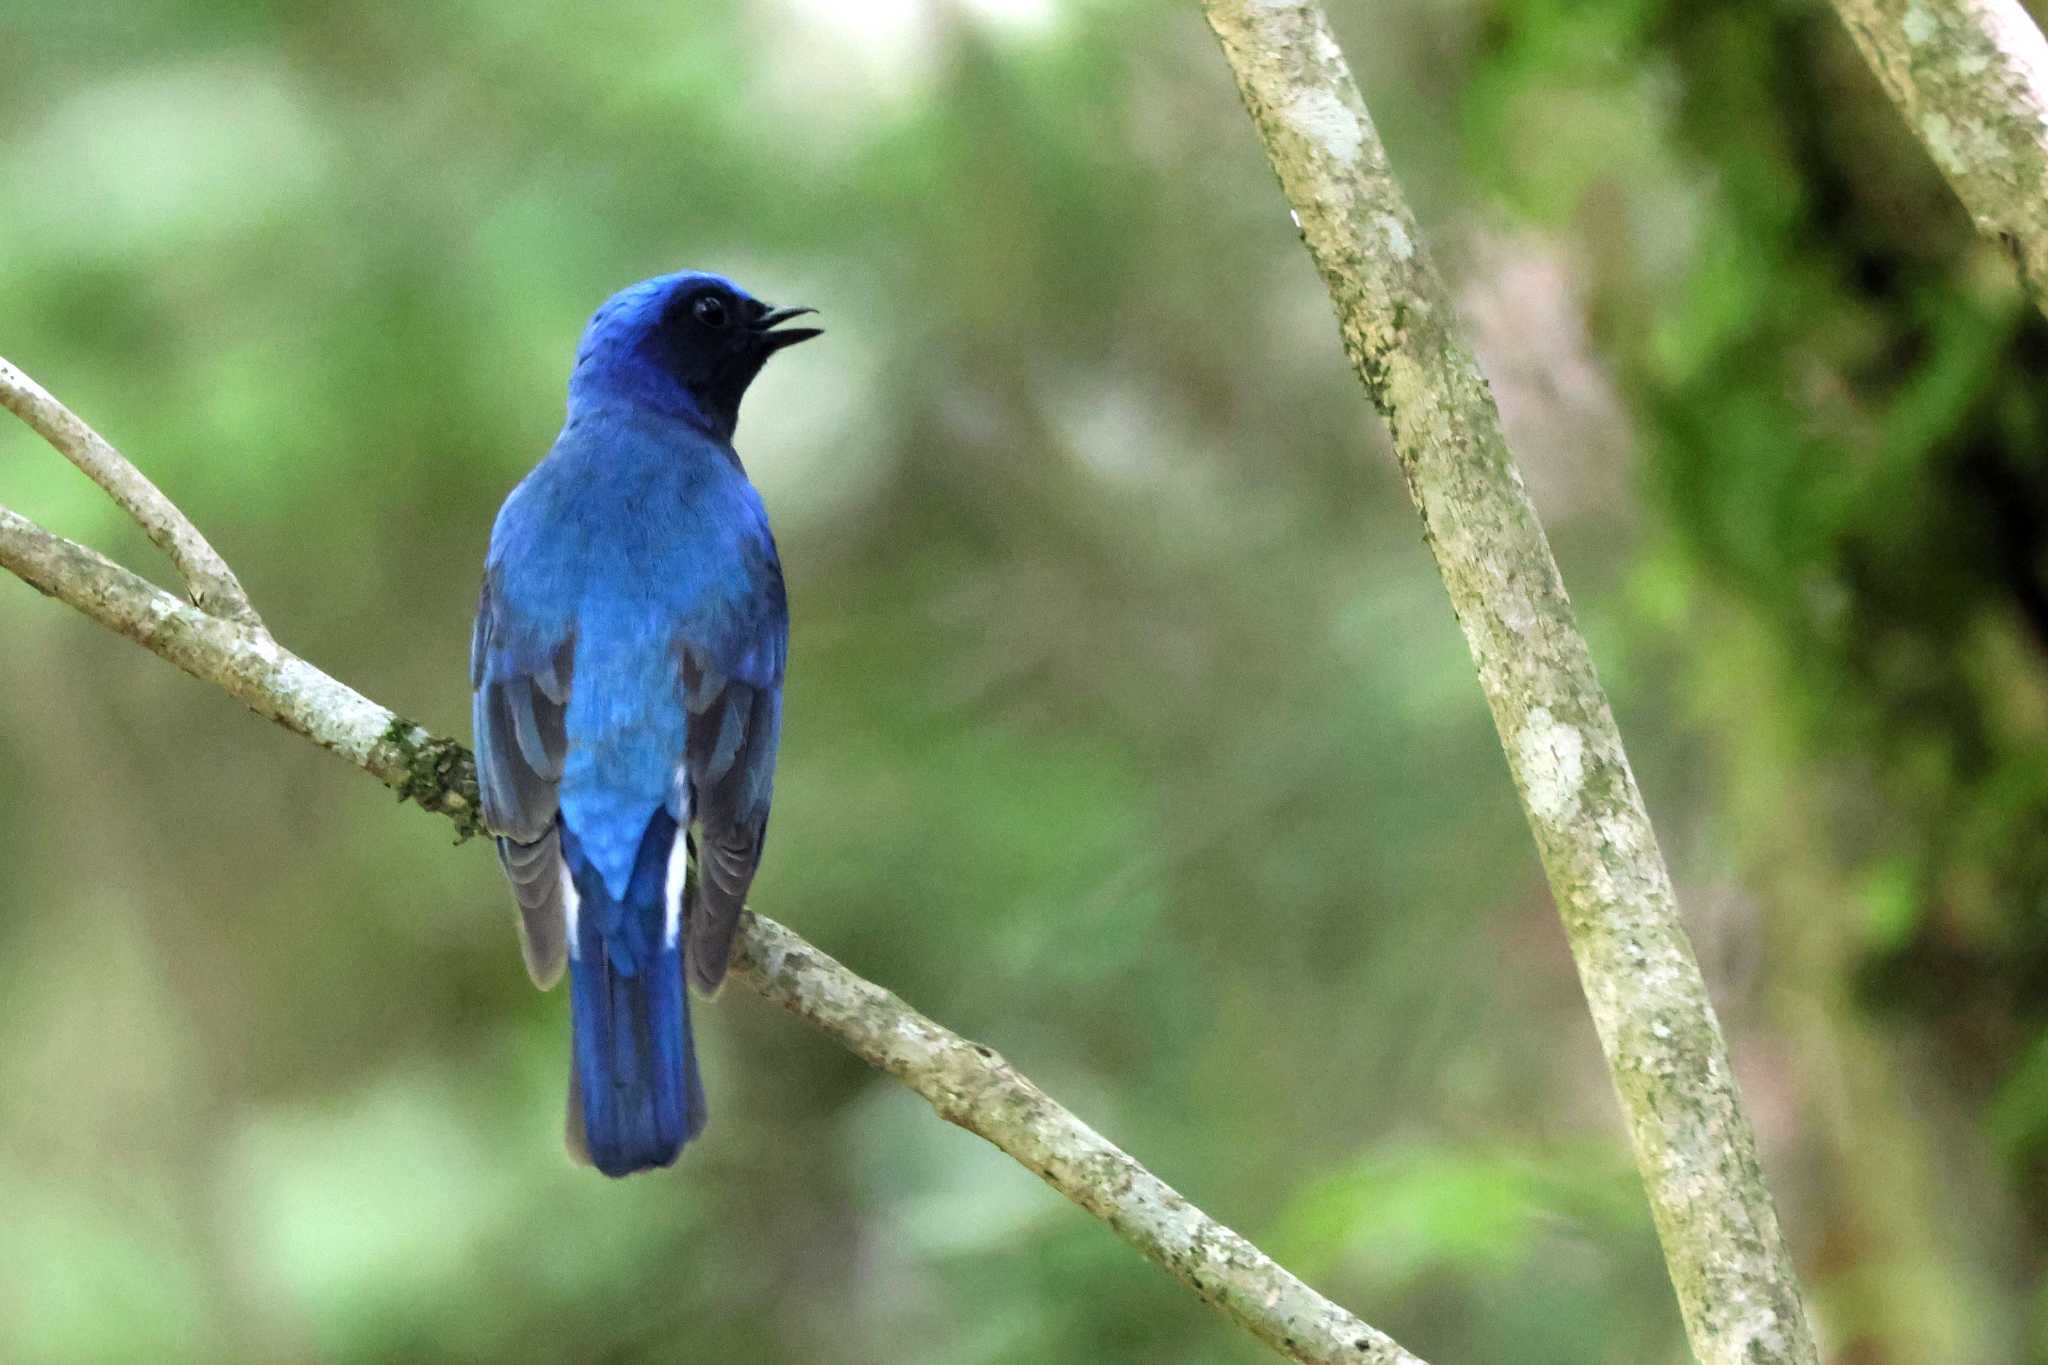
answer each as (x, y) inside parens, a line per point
(767, 324)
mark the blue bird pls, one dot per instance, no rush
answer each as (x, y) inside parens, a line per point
(627, 666)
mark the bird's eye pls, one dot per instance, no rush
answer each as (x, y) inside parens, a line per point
(710, 310)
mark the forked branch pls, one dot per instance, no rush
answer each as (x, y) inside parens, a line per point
(208, 580)
(966, 1083)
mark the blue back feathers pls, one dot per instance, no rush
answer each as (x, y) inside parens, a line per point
(628, 659)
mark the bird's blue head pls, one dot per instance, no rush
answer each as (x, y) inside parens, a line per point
(687, 344)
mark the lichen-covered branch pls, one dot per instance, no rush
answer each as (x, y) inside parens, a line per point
(972, 1086)
(209, 581)
(1693, 1143)
(967, 1084)
(250, 666)
(1971, 79)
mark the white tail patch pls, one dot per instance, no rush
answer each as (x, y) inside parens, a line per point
(571, 903)
(678, 873)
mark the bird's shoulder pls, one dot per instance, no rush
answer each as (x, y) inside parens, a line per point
(649, 525)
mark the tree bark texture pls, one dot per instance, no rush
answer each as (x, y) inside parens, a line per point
(1971, 79)
(1693, 1143)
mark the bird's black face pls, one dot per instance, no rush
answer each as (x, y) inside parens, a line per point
(713, 339)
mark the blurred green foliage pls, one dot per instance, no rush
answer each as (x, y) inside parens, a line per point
(1127, 726)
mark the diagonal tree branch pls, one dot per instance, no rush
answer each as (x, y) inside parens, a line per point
(968, 1084)
(1693, 1143)
(208, 580)
(1971, 79)
(971, 1086)
(250, 666)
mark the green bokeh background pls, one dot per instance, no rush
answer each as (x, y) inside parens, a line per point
(1127, 726)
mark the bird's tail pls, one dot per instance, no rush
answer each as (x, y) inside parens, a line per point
(634, 1094)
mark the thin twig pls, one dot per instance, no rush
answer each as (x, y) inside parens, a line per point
(966, 1083)
(1693, 1143)
(1971, 79)
(208, 580)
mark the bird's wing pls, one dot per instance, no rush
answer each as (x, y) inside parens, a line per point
(732, 691)
(520, 673)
